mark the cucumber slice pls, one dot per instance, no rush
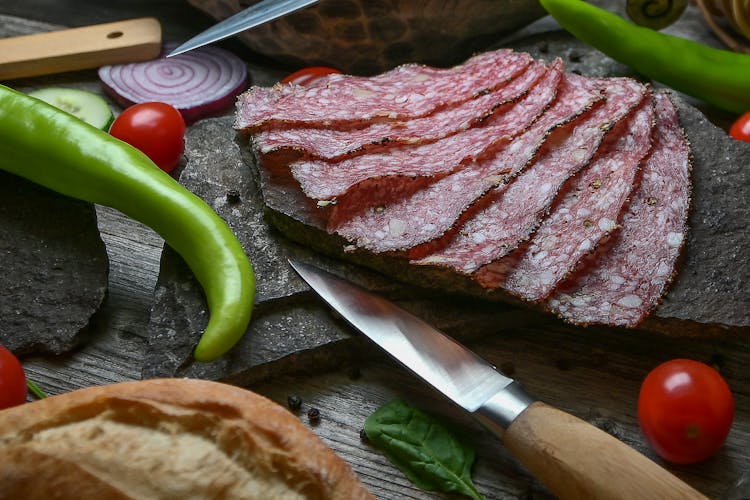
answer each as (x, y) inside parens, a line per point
(87, 106)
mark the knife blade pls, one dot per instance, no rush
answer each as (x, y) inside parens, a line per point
(571, 457)
(255, 15)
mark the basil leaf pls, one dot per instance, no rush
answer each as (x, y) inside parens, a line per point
(430, 455)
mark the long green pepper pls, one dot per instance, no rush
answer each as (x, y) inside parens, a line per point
(61, 152)
(718, 77)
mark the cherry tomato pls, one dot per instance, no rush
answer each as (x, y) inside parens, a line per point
(685, 410)
(740, 129)
(305, 76)
(155, 128)
(12, 380)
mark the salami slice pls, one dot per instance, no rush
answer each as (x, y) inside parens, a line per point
(587, 212)
(430, 212)
(514, 213)
(408, 91)
(623, 281)
(324, 180)
(333, 144)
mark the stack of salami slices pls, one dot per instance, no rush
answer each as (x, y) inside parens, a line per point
(568, 191)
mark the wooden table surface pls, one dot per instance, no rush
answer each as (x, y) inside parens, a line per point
(595, 377)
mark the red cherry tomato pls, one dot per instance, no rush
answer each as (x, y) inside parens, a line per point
(740, 129)
(685, 410)
(155, 128)
(305, 76)
(12, 380)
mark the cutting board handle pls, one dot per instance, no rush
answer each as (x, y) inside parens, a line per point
(574, 459)
(80, 48)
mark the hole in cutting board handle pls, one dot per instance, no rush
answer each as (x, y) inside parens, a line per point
(114, 34)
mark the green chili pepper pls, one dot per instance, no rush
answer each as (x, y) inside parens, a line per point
(719, 77)
(61, 152)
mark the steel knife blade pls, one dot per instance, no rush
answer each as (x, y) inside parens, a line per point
(571, 457)
(255, 15)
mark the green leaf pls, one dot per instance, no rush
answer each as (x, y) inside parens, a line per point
(430, 455)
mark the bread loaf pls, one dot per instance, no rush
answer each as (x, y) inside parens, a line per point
(164, 439)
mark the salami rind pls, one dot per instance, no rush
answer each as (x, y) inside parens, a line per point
(586, 212)
(623, 281)
(333, 145)
(514, 213)
(324, 180)
(429, 213)
(347, 101)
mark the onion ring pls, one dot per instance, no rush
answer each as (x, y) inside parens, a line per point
(200, 83)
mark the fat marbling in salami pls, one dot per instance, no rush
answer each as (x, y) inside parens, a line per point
(515, 212)
(624, 280)
(324, 180)
(333, 144)
(586, 212)
(408, 91)
(431, 212)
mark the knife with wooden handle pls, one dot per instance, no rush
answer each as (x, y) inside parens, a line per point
(571, 457)
(80, 48)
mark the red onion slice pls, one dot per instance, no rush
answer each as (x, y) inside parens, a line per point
(199, 83)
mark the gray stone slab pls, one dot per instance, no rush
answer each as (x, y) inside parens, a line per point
(54, 268)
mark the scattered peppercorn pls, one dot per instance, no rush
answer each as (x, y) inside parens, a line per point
(233, 197)
(363, 436)
(294, 402)
(313, 414)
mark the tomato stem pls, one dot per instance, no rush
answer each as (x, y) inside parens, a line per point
(35, 390)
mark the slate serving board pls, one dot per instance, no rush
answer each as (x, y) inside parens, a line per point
(54, 268)
(292, 331)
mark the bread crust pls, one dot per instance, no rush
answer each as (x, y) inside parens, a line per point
(166, 438)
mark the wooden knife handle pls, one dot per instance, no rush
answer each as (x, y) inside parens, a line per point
(574, 459)
(80, 48)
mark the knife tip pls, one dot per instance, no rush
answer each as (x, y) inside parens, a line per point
(176, 52)
(191, 44)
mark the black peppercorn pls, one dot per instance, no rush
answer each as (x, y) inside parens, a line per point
(313, 414)
(363, 436)
(233, 197)
(294, 402)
